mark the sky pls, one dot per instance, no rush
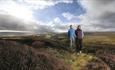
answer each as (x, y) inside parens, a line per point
(42, 16)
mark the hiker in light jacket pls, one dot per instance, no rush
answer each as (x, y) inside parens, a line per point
(79, 38)
(71, 36)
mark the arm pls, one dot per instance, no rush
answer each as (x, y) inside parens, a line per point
(68, 33)
(75, 34)
(82, 34)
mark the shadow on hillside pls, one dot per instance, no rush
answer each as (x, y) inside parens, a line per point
(45, 43)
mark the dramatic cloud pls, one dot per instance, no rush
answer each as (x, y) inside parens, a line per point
(100, 15)
(41, 16)
(15, 25)
(8, 22)
(17, 16)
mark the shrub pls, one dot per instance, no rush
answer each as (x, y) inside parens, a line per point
(15, 56)
(38, 44)
(96, 64)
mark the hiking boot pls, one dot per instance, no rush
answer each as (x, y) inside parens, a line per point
(80, 52)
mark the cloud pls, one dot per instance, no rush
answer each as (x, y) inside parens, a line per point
(15, 31)
(17, 15)
(10, 25)
(44, 29)
(99, 15)
(41, 4)
(57, 25)
(10, 7)
(52, 26)
(8, 22)
(68, 16)
(57, 20)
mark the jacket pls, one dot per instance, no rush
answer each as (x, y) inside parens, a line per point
(71, 33)
(79, 33)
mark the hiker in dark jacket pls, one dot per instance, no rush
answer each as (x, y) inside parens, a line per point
(79, 38)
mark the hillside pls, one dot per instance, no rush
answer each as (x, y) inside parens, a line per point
(98, 52)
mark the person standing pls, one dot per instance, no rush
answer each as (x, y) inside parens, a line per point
(79, 39)
(71, 36)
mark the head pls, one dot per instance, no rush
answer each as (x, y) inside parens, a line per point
(79, 27)
(70, 26)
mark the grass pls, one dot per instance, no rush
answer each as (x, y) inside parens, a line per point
(94, 47)
(99, 40)
(81, 61)
(76, 62)
(94, 53)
